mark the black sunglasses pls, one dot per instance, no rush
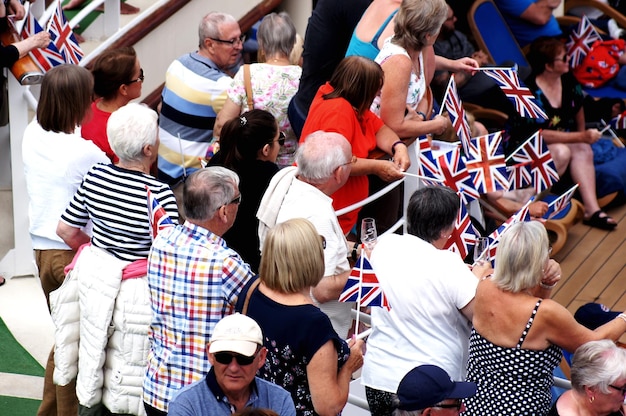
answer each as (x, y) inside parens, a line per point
(226, 358)
(236, 200)
(620, 389)
(141, 77)
(281, 138)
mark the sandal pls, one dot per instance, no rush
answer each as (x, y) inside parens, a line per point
(601, 222)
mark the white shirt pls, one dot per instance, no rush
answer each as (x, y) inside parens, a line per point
(54, 166)
(426, 289)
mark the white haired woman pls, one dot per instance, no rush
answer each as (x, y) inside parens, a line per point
(111, 271)
(598, 382)
(518, 331)
(273, 82)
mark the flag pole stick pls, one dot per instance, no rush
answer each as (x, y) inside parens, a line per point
(422, 177)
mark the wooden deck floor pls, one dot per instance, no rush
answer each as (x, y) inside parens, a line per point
(593, 264)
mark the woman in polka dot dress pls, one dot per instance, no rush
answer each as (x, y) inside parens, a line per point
(519, 332)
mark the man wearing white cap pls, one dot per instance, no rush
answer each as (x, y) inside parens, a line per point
(236, 352)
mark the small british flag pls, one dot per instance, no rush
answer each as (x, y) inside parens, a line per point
(452, 103)
(157, 216)
(580, 41)
(463, 236)
(560, 203)
(543, 169)
(63, 37)
(486, 163)
(363, 286)
(48, 57)
(524, 101)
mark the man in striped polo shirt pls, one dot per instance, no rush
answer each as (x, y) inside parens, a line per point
(194, 92)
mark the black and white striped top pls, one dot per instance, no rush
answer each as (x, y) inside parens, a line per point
(115, 200)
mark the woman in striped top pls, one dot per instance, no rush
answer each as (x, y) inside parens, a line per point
(112, 289)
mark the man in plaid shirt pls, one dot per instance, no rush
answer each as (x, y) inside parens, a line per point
(195, 280)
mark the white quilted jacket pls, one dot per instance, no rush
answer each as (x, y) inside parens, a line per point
(110, 317)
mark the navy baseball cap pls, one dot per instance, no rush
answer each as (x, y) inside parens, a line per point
(593, 315)
(426, 385)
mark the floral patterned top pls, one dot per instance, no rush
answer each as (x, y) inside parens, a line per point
(292, 335)
(272, 89)
(417, 82)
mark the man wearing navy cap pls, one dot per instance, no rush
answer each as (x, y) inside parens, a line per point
(429, 390)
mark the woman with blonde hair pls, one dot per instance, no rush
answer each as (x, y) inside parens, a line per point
(304, 354)
(518, 332)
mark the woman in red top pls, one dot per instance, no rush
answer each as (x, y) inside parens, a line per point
(342, 106)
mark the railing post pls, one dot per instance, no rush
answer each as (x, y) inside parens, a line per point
(19, 260)
(411, 183)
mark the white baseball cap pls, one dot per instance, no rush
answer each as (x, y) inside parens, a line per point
(236, 333)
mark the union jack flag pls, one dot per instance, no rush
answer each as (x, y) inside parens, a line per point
(452, 103)
(580, 41)
(538, 155)
(427, 166)
(157, 216)
(560, 203)
(486, 164)
(63, 37)
(456, 175)
(494, 238)
(363, 286)
(46, 58)
(520, 175)
(619, 122)
(463, 236)
(524, 101)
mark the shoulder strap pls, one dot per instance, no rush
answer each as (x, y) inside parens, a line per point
(248, 84)
(382, 28)
(252, 288)
(529, 324)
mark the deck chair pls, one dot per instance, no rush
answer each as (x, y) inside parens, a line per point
(493, 36)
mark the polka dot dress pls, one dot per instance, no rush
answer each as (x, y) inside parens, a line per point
(511, 381)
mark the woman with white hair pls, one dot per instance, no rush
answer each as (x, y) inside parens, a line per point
(519, 332)
(112, 288)
(598, 382)
(273, 81)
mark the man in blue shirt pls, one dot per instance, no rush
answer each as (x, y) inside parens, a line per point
(530, 19)
(236, 352)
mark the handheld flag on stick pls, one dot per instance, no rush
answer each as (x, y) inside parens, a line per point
(48, 57)
(463, 235)
(494, 238)
(535, 152)
(524, 101)
(157, 216)
(63, 37)
(452, 103)
(486, 164)
(580, 41)
(560, 203)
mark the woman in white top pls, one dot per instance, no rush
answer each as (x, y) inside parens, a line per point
(273, 81)
(56, 158)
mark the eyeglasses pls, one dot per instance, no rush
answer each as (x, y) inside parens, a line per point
(456, 405)
(237, 41)
(281, 138)
(620, 389)
(141, 77)
(236, 200)
(226, 358)
(323, 240)
(351, 162)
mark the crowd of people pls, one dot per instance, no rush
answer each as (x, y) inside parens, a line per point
(229, 301)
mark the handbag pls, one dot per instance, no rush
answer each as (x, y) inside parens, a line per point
(248, 84)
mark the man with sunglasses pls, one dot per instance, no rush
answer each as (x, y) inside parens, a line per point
(194, 92)
(236, 352)
(428, 390)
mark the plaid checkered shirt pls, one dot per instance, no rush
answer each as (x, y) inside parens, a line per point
(195, 280)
